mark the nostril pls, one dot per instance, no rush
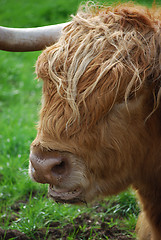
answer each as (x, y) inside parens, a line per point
(61, 168)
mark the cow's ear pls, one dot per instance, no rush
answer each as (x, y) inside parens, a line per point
(42, 66)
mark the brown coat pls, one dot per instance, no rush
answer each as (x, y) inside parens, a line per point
(101, 107)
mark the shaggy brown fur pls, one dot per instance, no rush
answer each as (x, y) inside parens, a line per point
(101, 104)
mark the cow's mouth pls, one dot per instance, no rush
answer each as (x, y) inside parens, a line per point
(65, 196)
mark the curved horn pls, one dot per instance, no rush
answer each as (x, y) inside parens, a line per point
(29, 39)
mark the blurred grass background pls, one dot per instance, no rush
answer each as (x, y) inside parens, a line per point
(23, 203)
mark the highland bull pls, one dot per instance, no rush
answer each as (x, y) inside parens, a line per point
(100, 123)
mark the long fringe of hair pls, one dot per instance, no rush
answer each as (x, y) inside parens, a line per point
(106, 55)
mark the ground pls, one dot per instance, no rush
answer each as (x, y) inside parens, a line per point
(57, 232)
(83, 226)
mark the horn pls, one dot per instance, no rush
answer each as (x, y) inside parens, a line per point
(29, 39)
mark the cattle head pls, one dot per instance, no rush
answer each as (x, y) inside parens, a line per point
(100, 94)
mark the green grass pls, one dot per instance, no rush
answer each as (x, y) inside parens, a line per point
(23, 204)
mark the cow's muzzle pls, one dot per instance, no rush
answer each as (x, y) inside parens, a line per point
(55, 169)
(48, 166)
